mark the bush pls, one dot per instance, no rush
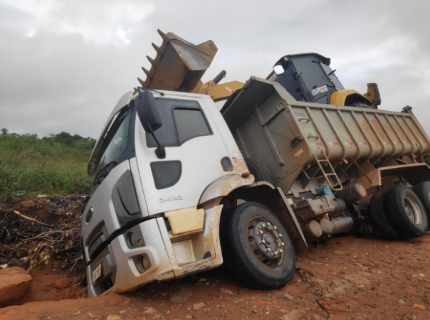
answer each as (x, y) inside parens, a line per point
(51, 165)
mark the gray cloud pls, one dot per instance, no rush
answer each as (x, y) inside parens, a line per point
(64, 65)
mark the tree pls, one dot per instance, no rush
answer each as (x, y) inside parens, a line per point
(4, 131)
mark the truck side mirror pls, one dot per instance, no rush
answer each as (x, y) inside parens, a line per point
(278, 69)
(147, 111)
(149, 117)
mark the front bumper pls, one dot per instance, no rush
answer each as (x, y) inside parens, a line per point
(170, 257)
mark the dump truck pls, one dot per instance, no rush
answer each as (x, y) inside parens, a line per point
(180, 186)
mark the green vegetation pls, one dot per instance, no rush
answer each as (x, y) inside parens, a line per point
(51, 165)
(428, 160)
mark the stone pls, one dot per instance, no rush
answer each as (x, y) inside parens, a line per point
(16, 263)
(288, 297)
(197, 306)
(14, 284)
(181, 296)
(28, 204)
(150, 311)
(401, 301)
(226, 291)
(293, 315)
(114, 317)
(254, 310)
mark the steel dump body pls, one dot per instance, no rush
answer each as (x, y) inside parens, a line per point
(296, 139)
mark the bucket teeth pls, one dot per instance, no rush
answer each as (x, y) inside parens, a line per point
(162, 34)
(157, 48)
(146, 72)
(150, 60)
(141, 82)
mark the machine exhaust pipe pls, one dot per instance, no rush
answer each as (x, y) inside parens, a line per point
(219, 77)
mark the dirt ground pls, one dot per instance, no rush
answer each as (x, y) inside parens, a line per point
(344, 278)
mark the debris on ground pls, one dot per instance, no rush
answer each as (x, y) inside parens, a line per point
(32, 232)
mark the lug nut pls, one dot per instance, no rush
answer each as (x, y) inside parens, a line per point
(280, 250)
(264, 225)
(268, 223)
(282, 244)
(280, 234)
(274, 227)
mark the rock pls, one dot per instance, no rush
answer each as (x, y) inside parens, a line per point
(14, 283)
(159, 317)
(150, 310)
(254, 310)
(28, 204)
(181, 296)
(197, 306)
(188, 316)
(401, 301)
(226, 291)
(288, 297)
(15, 262)
(114, 317)
(293, 315)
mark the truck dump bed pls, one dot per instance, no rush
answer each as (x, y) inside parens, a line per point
(303, 143)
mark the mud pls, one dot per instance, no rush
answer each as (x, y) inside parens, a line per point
(345, 278)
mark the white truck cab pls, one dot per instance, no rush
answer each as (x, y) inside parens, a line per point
(157, 198)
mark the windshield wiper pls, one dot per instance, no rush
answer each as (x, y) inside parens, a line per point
(104, 171)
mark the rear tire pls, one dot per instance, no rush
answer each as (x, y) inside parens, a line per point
(380, 219)
(244, 251)
(422, 190)
(259, 170)
(406, 212)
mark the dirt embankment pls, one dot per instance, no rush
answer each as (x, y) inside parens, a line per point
(346, 278)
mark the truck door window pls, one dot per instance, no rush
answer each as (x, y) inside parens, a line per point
(182, 121)
(190, 123)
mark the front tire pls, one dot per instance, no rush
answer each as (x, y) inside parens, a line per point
(406, 212)
(257, 247)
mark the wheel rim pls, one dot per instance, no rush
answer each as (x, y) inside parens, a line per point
(266, 242)
(413, 210)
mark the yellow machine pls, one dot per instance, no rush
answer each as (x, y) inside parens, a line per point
(180, 65)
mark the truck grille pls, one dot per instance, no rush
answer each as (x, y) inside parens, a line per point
(99, 258)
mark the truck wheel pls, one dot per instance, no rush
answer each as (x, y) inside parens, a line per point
(422, 190)
(379, 216)
(259, 170)
(406, 212)
(257, 247)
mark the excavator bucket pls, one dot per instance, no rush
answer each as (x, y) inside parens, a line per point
(179, 64)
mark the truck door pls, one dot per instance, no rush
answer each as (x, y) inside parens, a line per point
(194, 150)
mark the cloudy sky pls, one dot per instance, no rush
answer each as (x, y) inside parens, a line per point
(65, 64)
